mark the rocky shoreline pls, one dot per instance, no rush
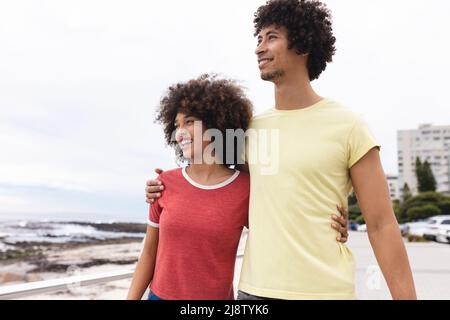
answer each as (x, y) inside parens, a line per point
(41, 260)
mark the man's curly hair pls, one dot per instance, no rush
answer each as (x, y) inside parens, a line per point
(309, 29)
(219, 103)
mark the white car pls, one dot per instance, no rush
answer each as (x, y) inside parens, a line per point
(417, 228)
(437, 229)
(362, 228)
(443, 235)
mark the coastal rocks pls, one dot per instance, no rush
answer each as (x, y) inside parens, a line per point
(39, 251)
(44, 233)
(46, 266)
(31, 277)
(11, 277)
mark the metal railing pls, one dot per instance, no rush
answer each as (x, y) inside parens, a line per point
(64, 284)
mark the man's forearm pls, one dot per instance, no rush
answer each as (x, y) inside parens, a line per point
(391, 255)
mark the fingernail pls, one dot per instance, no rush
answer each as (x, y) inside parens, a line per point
(162, 187)
(159, 182)
(159, 194)
(334, 225)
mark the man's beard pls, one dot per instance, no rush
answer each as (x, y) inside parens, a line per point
(272, 75)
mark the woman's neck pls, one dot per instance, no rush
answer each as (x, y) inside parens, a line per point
(208, 173)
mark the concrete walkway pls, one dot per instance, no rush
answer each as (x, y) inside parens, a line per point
(430, 263)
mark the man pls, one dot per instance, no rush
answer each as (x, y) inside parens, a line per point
(324, 150)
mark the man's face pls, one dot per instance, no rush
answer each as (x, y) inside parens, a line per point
(274, 57)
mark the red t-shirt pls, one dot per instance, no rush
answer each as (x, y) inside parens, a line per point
(200, 228)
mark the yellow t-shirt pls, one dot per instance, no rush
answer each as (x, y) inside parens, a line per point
(299, 164)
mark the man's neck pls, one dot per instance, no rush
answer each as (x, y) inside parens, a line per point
(295, 93)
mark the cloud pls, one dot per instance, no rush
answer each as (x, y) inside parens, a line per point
(80, 81)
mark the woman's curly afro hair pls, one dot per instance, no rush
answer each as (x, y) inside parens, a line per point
(219, 103)
(309, 29)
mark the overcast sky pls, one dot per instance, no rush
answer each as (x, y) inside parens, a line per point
(80, 82)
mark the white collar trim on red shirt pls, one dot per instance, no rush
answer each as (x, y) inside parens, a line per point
(213, 186)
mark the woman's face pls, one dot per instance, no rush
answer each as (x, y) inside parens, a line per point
(186, 136)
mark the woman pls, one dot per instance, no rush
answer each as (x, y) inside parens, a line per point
(195, 226)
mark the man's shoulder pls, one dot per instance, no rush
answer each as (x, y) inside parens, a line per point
(331, 108)
(263, 115)
(338, 107)
(341, 113)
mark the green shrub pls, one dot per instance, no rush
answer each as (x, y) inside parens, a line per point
(423, 212)
(415, 238)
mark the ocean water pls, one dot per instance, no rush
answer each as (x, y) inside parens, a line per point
(79, 217)
(26, 231)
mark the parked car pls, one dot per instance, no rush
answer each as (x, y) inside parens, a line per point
(443, 234)
(404, 229)
(416, 228)
(353, 226)
(437, 229)
(362, 228)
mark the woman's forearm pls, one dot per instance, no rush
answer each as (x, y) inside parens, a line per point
(145, 267)
(142, 276)
(391, 255)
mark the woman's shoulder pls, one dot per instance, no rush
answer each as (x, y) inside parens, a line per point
(170, 174)
(244, 179)
(244, 175)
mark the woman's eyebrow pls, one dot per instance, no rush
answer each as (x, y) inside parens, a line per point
(274, 33)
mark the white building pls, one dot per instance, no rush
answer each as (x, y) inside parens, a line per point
(394, 191)
(431, 143)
